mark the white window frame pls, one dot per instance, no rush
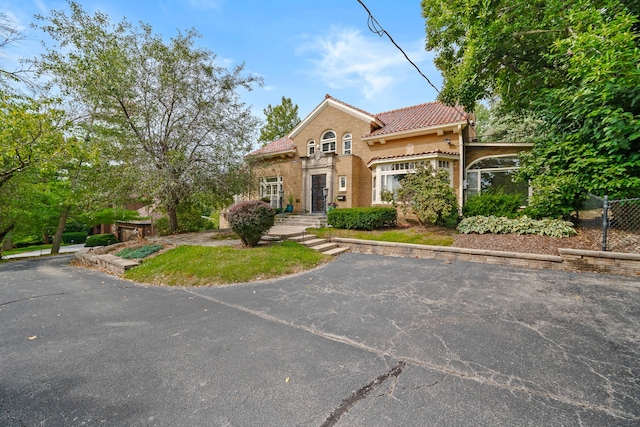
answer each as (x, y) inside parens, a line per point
(328, 144)
(383, 171)
(311, 148)
(271, 186)
(342, 183)
(347, 138)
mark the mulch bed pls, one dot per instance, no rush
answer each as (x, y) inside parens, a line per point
(527, 243)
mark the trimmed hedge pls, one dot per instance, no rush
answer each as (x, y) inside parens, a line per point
(100, 240)
(362, 218)
(74, 237)
(493, 203)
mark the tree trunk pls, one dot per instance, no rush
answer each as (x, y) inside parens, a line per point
(6, 239)
(172, 213)
(57, 238)
(45, 237)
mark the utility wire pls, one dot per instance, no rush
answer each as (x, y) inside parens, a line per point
(376, 28)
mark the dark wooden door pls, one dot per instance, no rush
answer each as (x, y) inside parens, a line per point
(318, 182)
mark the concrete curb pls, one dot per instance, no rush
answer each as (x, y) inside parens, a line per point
(569, 259)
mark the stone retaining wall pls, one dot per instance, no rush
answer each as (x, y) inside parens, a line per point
(569, 259)
(108, 262)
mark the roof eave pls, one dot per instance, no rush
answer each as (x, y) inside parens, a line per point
(282, 154)
(455, 127)
(433, 155)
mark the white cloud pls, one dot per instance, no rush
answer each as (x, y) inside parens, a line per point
(345, 58)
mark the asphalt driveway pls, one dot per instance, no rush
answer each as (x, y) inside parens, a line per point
(362, 341)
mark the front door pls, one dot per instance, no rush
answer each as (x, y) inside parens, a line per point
(318, 182)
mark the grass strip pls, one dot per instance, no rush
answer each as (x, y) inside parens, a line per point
(216, 265)
(396, 235)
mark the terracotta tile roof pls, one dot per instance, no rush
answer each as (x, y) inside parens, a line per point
(417, 117)
(283, 144)
(409, 156)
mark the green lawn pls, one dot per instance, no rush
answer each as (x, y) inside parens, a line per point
(215, 265)
(420, 236)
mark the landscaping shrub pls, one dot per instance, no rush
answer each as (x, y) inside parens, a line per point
(26, 241)
(250, 220)
(191, 218)
(522, 225)
(139, 253)
(362, 218)
(430, 196)
(100, 240)
(74, 237)
(495, 203)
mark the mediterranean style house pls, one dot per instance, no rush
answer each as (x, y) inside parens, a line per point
(342, 154)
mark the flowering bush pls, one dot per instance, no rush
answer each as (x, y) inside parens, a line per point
(333, 205)
(250, 220)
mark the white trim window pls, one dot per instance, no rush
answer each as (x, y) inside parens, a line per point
(346, 143)
(342, 183)
(389, 176)
(311, 148)
(496, 173)
(328, 142)
(270, 188)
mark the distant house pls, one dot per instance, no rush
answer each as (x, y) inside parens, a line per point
(351, 155)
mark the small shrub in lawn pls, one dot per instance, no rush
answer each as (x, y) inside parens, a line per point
(250, 220)
(74, 237)
(495, 203)
(522, 225)
(139, 253)
(100, 240)
(362, 218)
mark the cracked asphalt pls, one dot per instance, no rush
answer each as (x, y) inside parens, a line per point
(362, 341)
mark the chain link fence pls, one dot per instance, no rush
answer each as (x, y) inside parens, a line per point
(615, 223)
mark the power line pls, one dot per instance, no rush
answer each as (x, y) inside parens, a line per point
(376, 28)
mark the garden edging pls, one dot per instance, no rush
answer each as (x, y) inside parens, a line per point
(569, 259)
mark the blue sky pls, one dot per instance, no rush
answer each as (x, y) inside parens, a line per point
(302, 49)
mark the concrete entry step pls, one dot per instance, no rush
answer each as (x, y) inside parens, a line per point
(335, 251)
(325, 246)
(298, 235)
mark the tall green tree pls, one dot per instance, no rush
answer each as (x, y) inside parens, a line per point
(172, 119)
(281, 120)
(571, 65)
(31, 142)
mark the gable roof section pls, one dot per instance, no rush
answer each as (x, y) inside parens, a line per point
(280, 147)
(330, 101)
(423, 116)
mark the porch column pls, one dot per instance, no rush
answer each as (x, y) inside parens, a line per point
(304, 184)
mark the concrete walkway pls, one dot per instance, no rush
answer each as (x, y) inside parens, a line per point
(63, 250)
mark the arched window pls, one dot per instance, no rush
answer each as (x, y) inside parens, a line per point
(346, 143)
(311, 148)
(495, 173)
(328, 142)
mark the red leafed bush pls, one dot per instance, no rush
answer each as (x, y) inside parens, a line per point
(250, 220)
